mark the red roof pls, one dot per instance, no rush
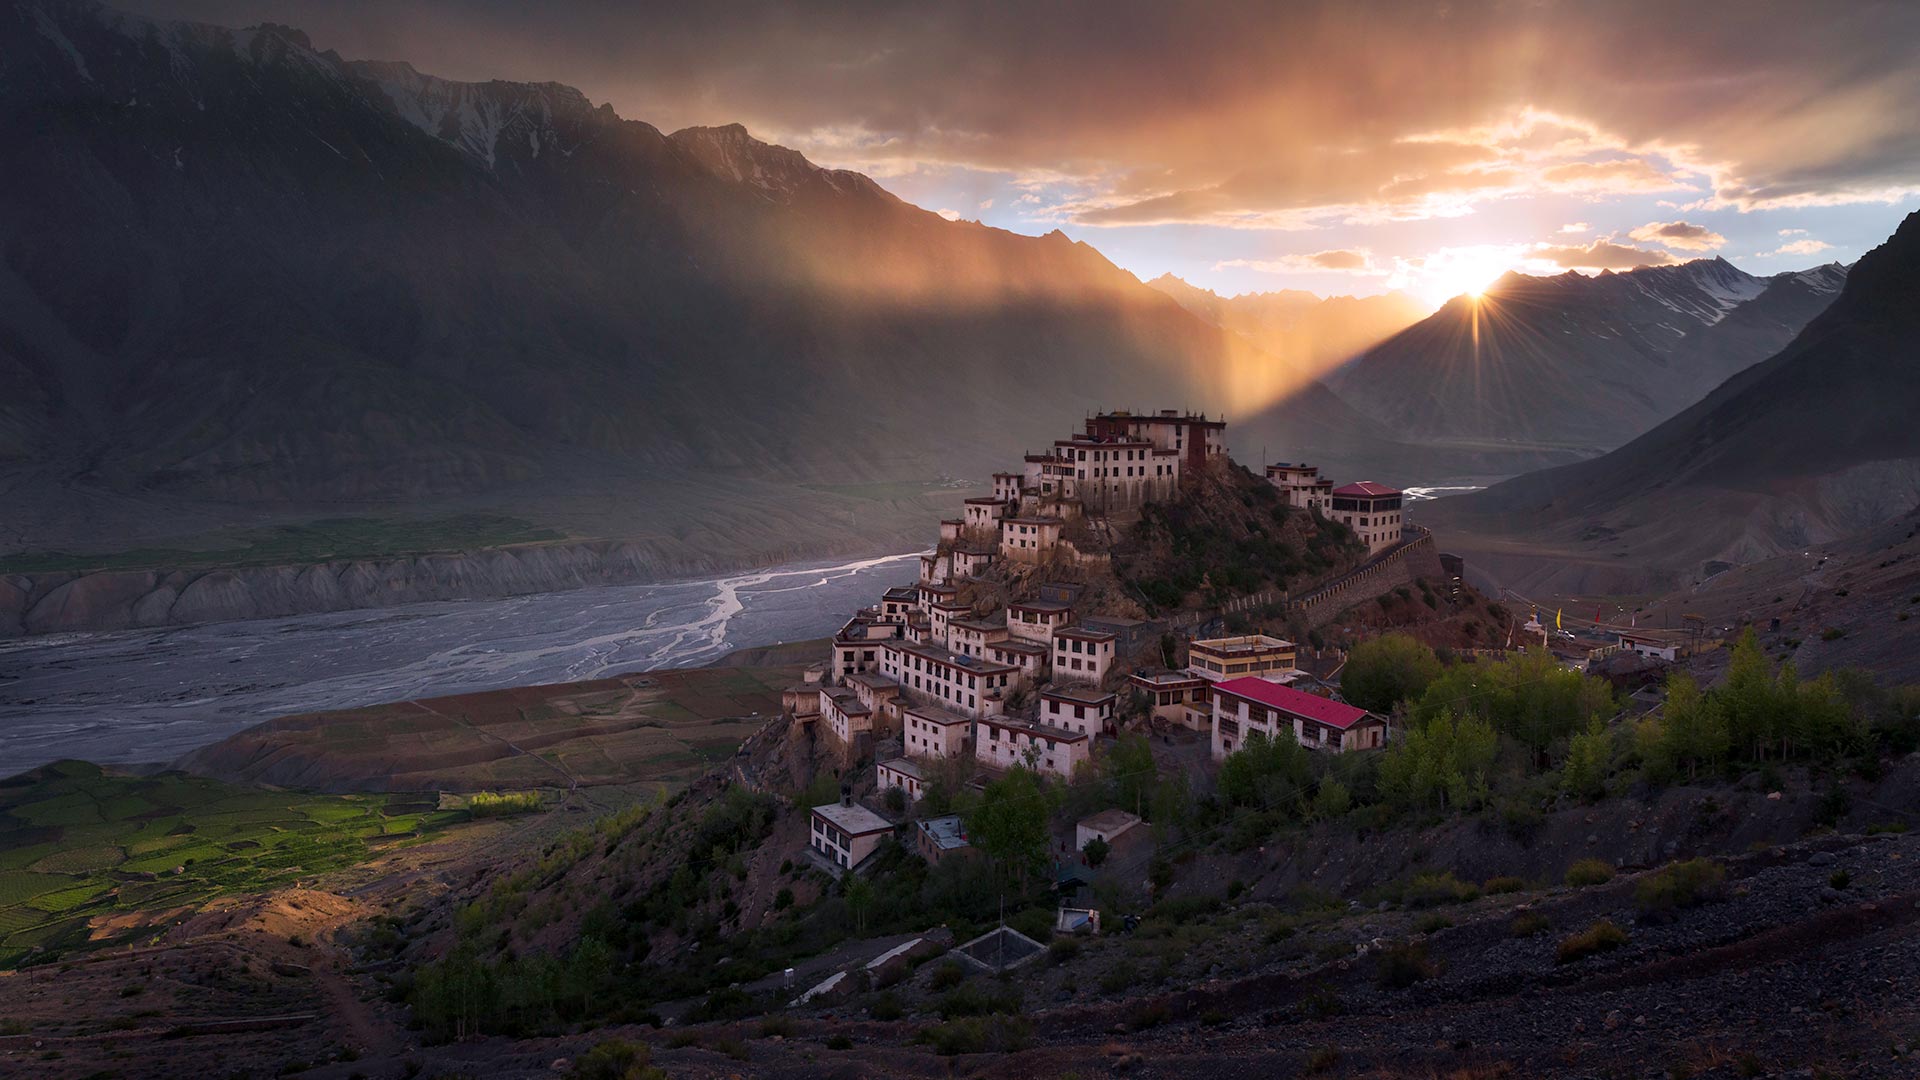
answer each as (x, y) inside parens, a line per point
(1366, 488)
(1295, 702)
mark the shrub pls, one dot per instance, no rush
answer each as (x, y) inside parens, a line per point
(1528, 923)
(1432, 890)
(948, 975)
(616, 1059)
(1323, 1059)
(886, 1007)
(1061, 950)
(1840, 879)
(978, 1035)
(839, 1042)
(1680, 885)
(783, 899)
(1497, 885)
(979, 998)
(1432, 924)
(1404, 965)
(1601, 937)
(1119, 978)
(781, 1026)
(1589, 872)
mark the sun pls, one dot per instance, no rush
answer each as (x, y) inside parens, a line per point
(1462, 271)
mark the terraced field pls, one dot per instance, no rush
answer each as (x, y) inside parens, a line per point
(77, 843)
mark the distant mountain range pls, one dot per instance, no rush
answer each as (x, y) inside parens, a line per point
(1307, 335)
(1813, 444)
(245, 272)
(1577, 362)
(245, 280)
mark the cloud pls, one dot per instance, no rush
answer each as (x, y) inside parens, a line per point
(1793, 232)
(1798, 247)
(1238, 112)
(986, 204)
(1601, 255)
(1337, 261)
(948, 213)
(1574, 227)
(1679, 235)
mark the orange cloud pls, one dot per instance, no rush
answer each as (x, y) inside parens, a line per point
(1679, 235)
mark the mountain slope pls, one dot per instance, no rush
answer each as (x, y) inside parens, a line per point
(241, 270)
(1811, 445)
(1577, 362)
(1307, 335)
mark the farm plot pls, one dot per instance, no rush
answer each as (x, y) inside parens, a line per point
(78, 842)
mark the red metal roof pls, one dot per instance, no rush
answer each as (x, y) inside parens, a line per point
(1366, 488)
(1295, 702)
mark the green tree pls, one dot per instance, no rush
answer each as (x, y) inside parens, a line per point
(1331, 801)
(1096, 851)
(1009, 825)
(588, 967)
(1384, 671)
(1530, 698)
(1442, 763)
(860, 897)
(1583, 775)
(1130, 773)
(1270, 774)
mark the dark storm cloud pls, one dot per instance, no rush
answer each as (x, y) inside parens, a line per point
(1230, 113)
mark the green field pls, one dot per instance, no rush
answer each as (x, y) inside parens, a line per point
(77, 842)
(308, 542)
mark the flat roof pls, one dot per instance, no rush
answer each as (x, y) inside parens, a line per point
(1034, 727)
(1032, 521)
(868, 678)
(1110, 821)
(1244, 645)
(1165, 678)
(1297, 702)
(943, 717)
(1040, 605)
(1086, 695)
(903, 766)
(1366, 489)
(1019, 645)
(947, 832)
(982, 625)
(953, 659)
(856, 819)
(1083, 634)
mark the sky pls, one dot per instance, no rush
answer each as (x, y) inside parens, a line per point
(1342, 147)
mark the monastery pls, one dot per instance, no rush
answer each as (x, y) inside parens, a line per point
(942, 668)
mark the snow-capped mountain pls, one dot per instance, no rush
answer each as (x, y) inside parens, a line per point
(1577, 362)
(1807, 446)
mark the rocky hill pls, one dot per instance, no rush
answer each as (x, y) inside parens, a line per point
(1809, 447)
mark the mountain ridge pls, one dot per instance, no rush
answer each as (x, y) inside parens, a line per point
(1807, 447)
(1579, 362)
